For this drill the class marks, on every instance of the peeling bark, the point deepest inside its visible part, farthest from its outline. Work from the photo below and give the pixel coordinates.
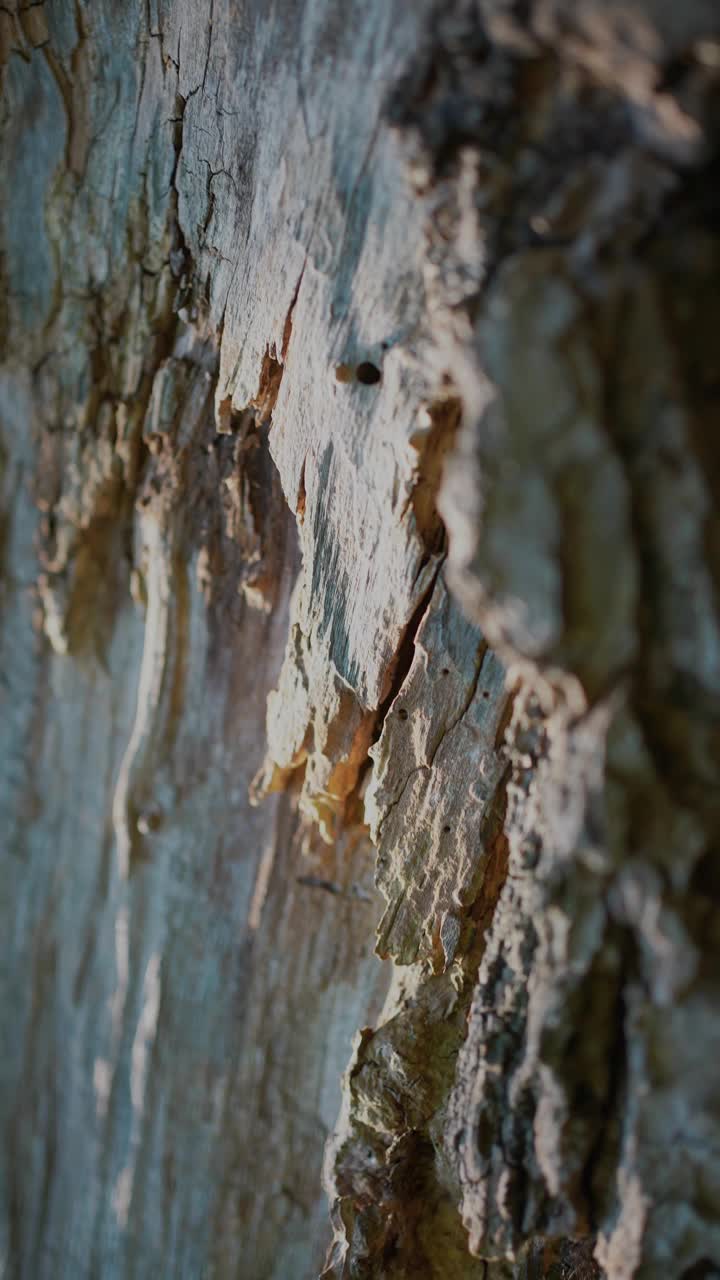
(359, 515)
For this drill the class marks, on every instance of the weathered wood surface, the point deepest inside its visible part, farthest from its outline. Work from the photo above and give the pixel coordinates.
(212, 213)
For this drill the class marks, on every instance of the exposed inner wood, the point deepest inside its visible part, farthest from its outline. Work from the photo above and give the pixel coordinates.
(359, 579)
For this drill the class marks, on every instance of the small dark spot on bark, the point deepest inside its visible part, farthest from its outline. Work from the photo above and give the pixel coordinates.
(149, 822)
(402, 713)
(368, 373)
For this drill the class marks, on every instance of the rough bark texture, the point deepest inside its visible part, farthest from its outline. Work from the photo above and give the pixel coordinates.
(359, 473)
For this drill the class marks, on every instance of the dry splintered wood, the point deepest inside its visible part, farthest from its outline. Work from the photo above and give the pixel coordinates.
(359, 579)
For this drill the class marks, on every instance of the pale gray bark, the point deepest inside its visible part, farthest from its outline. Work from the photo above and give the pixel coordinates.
(274, 623)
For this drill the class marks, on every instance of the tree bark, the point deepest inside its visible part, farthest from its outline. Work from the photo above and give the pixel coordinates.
(359, 562)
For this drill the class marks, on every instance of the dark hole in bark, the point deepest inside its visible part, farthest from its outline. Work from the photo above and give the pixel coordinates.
(368, 373)
(446, 828)
(403, 713)
(445, 671)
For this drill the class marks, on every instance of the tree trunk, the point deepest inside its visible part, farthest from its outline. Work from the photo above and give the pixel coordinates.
(359, 522)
